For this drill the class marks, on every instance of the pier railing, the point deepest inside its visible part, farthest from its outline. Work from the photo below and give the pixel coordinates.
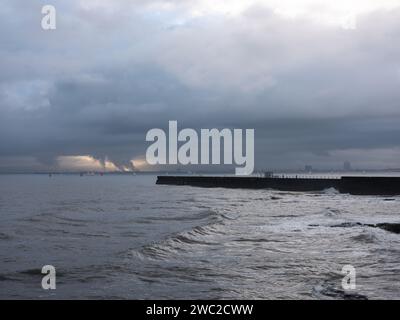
(300, 176)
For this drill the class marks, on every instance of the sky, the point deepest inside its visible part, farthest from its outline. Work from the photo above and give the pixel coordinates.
(319, 81)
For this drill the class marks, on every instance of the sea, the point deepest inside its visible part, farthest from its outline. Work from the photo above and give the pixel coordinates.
(124, 237)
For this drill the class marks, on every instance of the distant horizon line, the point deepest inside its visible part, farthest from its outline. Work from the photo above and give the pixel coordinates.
(181, 171)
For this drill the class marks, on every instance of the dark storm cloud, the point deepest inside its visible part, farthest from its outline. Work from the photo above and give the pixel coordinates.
(110, 72)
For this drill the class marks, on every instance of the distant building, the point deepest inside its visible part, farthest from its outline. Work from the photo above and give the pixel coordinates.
(347, 166)
(308, 168)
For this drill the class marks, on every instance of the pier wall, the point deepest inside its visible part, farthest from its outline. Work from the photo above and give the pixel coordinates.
(370, 185)
(284, 184)
(352, 185)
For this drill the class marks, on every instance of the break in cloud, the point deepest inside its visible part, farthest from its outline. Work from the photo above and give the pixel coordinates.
(318, 81)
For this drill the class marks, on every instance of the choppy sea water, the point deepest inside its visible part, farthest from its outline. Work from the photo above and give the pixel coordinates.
(123, 237)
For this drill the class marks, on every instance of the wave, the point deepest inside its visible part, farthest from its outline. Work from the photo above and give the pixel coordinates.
(331, 212)
(4, 236)
(329, 290)
(387, 226)
(203, 235)
(330, 191)
(365, 237)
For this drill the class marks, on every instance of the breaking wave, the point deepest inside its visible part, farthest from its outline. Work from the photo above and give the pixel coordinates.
(203, 235)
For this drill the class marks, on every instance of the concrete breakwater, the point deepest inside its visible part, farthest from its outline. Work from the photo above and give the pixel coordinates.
(346, 184)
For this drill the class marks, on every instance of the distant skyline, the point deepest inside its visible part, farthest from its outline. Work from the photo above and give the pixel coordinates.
(318, 81)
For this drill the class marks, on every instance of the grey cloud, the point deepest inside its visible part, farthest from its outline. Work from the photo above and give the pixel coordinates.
(104, 77)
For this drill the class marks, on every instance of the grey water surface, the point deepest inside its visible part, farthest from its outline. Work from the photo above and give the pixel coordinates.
(123, 237)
